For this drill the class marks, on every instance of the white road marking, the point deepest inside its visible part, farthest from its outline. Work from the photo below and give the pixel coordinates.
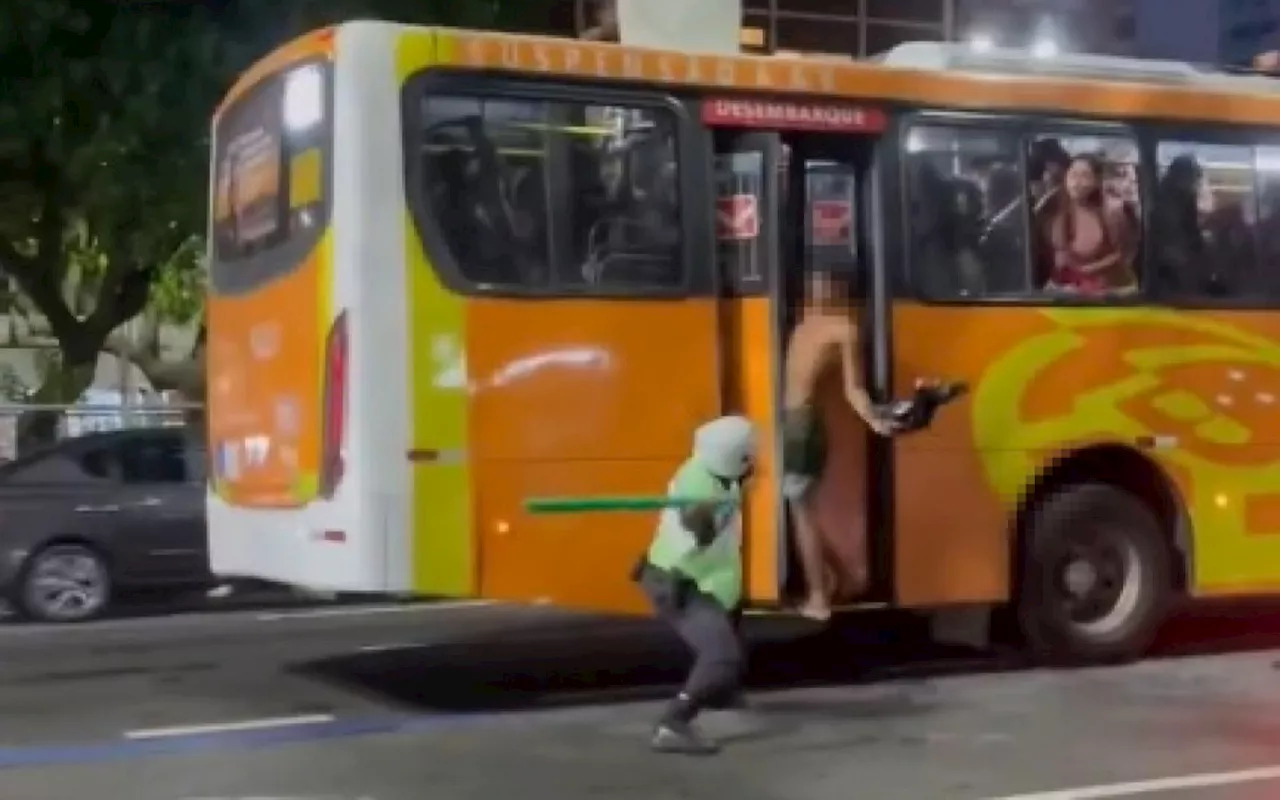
(360, 611)
(225, 727)
(1182, 783)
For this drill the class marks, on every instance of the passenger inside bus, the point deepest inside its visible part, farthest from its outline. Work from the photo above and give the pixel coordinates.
(1047, 164)
(1268, 239)
(533, 194)
(1181, 252)
(629, 225)
(1231, 250)
(1091, 241)
(480, 196)
(1003, 242)
(946, 221)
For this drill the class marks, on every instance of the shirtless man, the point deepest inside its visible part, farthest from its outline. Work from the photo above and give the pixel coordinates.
(825, 338)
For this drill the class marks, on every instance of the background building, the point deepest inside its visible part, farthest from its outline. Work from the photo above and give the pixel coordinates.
(854, 28)
(1199, 31)
(857, 28)
(1192, 34)
(1247, 28)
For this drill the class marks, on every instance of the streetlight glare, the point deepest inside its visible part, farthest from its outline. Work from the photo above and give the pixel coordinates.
(1044, 47)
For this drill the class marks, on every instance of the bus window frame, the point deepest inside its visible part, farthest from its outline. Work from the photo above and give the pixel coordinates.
(1024, 127)
(1157, 132)
(699, 273)
(245, 274)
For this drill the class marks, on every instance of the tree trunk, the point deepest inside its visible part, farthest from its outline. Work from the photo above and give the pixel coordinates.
(63, 385)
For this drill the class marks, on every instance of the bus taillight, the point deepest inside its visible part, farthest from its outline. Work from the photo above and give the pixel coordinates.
(333, 440)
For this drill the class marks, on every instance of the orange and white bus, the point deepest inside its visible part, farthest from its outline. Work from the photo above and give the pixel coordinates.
(455, 270)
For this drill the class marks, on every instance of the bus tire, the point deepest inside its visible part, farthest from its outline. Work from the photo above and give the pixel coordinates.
(1097, 577)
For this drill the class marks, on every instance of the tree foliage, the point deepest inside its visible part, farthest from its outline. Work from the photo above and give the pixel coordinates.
(104, 124)
(103, 166)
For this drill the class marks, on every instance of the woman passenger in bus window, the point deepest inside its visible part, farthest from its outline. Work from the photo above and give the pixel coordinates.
(1091, 241)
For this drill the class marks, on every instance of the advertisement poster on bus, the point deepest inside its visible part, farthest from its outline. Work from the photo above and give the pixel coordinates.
(247, 202)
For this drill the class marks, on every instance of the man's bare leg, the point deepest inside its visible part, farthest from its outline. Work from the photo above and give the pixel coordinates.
(817, 603)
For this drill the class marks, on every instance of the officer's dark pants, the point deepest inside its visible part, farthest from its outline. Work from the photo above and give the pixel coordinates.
(709, 630)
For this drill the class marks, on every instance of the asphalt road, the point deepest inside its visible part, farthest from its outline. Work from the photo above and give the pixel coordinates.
(455, 702)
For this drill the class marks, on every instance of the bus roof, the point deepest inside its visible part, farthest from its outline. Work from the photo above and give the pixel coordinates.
(941, 75)
(938, 75)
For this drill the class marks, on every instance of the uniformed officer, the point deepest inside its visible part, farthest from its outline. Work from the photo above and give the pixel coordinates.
(692, 573)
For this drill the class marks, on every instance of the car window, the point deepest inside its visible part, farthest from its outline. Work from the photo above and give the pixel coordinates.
(100, 462)
(159, 459)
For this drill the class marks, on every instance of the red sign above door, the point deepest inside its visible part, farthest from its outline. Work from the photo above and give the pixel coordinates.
(790, 116)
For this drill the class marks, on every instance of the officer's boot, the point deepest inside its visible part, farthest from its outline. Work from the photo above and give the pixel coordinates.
(675, 732)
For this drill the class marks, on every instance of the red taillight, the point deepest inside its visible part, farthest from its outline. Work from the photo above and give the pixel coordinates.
(333, 439)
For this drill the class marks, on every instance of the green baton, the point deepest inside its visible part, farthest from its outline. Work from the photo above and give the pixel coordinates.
(590, 505)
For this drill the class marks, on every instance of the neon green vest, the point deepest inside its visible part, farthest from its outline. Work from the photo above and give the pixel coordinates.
(717, 569)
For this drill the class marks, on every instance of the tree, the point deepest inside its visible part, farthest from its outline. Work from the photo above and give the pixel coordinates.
(177, 290)
(176, 310)
(103, 165)
(104, 148)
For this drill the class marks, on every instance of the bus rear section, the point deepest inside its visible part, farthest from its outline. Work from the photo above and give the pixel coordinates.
(279, 355)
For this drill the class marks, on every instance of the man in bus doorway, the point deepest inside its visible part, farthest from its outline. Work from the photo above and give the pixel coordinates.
(824, 344)
(692, 574)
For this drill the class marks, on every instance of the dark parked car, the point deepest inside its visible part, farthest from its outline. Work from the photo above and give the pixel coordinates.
(98, 514)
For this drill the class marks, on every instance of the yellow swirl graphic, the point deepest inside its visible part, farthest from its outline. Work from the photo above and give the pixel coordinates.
(1201, 384)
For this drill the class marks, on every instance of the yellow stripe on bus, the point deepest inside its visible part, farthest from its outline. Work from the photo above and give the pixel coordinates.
(444, 551)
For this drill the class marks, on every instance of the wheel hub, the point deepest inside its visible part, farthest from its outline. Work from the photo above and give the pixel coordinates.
(1080, 577)
(67, 586)
(1098, 583)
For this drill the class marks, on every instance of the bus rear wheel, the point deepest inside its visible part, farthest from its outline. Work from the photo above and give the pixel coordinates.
(1097, 577)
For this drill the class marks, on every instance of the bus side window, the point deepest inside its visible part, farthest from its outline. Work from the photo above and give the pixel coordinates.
(1211, 234)
(967, 227)
(1267, 165)
(542, 196)
(1086, 215)
(484, 161)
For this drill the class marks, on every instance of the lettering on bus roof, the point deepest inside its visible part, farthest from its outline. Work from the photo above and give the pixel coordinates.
(623, 63)
(773, 75)
(750, 113)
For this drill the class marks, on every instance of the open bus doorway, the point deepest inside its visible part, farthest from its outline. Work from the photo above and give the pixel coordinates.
(813, 191)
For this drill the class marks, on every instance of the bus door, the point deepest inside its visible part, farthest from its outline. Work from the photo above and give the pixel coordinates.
(805, 189)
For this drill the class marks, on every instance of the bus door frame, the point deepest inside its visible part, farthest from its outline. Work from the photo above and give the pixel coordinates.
(875, 325)
(722, 116)
(768, 283)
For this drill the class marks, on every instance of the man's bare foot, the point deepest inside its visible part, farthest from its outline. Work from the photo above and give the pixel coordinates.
(816, 609)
